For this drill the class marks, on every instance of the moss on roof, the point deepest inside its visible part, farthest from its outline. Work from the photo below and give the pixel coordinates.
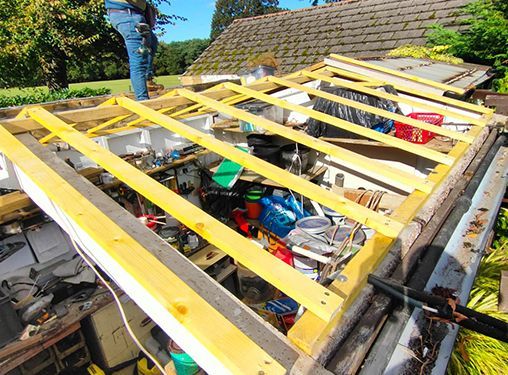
(315, 32)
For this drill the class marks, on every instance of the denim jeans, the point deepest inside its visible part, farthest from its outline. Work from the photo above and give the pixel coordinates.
(141, 66)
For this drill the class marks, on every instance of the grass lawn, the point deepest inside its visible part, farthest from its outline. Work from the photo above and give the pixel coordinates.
(116, 86)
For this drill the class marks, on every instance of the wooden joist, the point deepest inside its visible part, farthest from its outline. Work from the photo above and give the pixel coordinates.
(346, 125)
(214, 336)
(279, 274)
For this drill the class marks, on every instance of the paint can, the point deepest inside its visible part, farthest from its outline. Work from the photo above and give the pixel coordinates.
(334, 216)
(342, 232)
(314, 224)
(306, 266)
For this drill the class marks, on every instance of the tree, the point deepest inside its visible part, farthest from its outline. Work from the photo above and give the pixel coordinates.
(38, 38)
(100, 67)
(226, 11)
(316, 2)
(485, 39)
(175, 57)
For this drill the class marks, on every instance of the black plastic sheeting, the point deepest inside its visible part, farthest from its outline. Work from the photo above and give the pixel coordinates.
(366, 119)
(219, 201)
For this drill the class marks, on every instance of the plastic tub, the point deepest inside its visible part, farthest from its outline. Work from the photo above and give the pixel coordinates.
(254, 195)
(184, 364)
(254, 208)
(254, 140)
(252, 287)
(269, 153)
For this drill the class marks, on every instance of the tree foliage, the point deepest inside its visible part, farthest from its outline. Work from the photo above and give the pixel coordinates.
(226, 11)
(316, 2)
(99, 67)
(39, 95)
(176, 57)
(40, 38)
(484, 41)
(436, 53)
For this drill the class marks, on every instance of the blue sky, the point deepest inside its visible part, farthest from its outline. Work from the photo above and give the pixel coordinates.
(199, 17)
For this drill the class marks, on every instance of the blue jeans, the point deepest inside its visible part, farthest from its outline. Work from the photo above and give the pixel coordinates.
(141, 66)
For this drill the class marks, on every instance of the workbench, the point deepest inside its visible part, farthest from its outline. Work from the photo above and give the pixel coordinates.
(51, 332)
(18, 206)
(163, 168)
(312, 174)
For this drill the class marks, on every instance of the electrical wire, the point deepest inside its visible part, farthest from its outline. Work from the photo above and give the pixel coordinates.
(339, 257)
(296, 157)
(119, 305)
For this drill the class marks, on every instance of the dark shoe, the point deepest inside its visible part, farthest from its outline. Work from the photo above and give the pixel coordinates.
(152, 86)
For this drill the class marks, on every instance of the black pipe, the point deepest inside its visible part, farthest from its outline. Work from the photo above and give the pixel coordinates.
(474, 320)
(485, 329)
(389, 335)
(363, 336)
(390, 291)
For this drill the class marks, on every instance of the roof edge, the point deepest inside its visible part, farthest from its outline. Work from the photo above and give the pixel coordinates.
(306, 9)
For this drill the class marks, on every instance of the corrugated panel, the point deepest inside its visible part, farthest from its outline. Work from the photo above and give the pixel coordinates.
(461, 75)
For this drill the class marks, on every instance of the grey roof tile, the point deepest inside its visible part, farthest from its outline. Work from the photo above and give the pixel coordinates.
(303, 37)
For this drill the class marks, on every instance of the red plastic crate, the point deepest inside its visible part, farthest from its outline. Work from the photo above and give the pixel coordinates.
(415, 135)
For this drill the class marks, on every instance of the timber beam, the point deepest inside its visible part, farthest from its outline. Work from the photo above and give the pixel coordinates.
(219, 346)
(243, 317)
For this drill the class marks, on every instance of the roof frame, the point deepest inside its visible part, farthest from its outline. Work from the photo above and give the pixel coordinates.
(311, 330)
(212, 336)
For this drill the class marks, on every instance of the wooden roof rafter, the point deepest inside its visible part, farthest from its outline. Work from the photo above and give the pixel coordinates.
(325, 306)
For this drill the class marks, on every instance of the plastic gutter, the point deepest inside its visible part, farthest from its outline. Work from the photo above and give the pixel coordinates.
(458, 265)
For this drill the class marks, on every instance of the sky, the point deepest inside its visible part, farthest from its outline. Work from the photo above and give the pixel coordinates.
(199, 17)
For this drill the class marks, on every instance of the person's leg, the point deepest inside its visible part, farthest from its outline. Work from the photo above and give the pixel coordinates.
(125, 24)
(153, 43)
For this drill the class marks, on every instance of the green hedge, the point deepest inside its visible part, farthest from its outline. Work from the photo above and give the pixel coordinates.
(42, 96)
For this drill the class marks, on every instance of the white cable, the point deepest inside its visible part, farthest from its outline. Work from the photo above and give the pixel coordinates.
(296, 157)
(120, 307)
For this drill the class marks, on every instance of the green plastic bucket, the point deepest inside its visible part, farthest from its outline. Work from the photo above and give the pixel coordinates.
(184, 364)
(253, 195)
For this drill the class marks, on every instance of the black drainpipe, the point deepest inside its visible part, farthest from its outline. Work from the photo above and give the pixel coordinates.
(389, 336)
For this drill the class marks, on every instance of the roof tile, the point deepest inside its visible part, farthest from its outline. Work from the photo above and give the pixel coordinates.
(302, 37)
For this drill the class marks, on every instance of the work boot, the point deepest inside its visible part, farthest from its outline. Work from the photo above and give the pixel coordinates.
(153, 86)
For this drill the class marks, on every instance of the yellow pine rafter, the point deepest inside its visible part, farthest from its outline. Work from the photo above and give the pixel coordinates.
(396, 73)
(306, 188)
(360, 162)
(396, 98)
(310, 294)
(426, 95)
(310, 333)
(348, 126)
(377, 111)
(216, 335)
